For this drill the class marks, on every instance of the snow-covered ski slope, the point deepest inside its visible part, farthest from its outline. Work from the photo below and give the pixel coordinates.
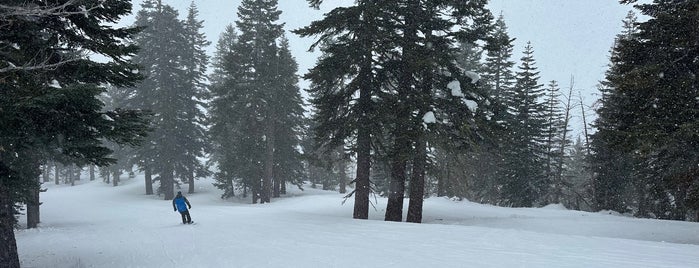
(96, 225)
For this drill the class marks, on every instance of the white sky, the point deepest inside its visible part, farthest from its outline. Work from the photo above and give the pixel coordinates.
(571, 37)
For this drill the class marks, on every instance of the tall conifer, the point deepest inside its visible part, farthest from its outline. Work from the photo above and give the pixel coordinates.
(50, 91)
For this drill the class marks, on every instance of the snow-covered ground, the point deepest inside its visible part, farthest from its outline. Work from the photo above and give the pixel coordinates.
(97, 225)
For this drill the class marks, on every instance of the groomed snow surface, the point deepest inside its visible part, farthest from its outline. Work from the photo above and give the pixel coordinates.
(96, 225)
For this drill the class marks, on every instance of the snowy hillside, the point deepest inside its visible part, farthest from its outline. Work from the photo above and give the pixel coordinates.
(97, 225)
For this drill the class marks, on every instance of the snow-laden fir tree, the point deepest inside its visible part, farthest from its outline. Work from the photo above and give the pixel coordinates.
(395, 55)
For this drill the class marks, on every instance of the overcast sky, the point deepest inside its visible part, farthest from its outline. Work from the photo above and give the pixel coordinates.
(571, 37)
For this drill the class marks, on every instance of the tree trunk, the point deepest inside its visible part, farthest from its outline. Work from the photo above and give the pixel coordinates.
(396, 195)
(115, 178)
(71, 175)
(362, 188)
(229, 182)
(266, 190)
(364, 105)
(417, 182)
(33, 215)
(587, 136)
(343, 175)
(191, 183)
(92, 172)
(562, 149)
(255, 190)
(277, 188)
(326, 182)
(45, 175)
(167, 183)
(78, 172)
(149, 180)
(441, 180)
(8, 245)
(57, 173)
(403, 142)
(283, 187)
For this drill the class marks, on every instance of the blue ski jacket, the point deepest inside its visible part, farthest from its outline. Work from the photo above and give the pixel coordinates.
(181, 203)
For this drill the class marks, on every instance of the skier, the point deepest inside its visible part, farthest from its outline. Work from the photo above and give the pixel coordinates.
(181, 204)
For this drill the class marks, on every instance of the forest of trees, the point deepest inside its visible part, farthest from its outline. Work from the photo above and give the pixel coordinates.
(409, 98)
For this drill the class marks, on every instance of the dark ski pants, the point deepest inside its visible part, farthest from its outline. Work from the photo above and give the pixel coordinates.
(185, 216)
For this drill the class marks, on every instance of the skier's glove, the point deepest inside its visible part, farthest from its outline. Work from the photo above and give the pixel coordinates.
(190, 207)
(175, 209)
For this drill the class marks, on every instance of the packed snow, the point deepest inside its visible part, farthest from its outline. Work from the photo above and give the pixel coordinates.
(429, 118)
(472, 105)
(455, 88)
(473, 76)
(96, 225)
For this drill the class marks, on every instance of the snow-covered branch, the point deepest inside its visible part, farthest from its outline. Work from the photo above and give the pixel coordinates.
(36, 66)
(10, 14)
(7, 11)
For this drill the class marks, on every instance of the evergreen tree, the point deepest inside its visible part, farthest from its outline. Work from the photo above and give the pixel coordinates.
(554, 143)
(425, 78)
(173, 64)
(612, 160)
(408, 83)
(499, 79)
(498, 74)
(223, 146)
(256, 107)
(346, 85)
(287, 111)
(194, 140)
(50, 90)
(655, 74)
(525, 180)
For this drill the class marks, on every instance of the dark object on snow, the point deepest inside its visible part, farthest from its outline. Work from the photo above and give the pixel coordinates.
(181, 204)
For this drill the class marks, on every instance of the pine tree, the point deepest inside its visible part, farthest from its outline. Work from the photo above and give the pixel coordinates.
(525, 181)
(195, 139)
(256, 106)
(287, 111)
(223, 146)
(555, 142)
(50, 90)
(499, 78)
(173, 64)
(655, 72)
(611, 162)
(406, 83)
(345, 85)
(498, 74)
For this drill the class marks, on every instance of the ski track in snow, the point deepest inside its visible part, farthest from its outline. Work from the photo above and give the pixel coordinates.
(96, 225)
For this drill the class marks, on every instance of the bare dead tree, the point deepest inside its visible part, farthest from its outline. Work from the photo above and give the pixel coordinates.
(587, 136)
(564, 135)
